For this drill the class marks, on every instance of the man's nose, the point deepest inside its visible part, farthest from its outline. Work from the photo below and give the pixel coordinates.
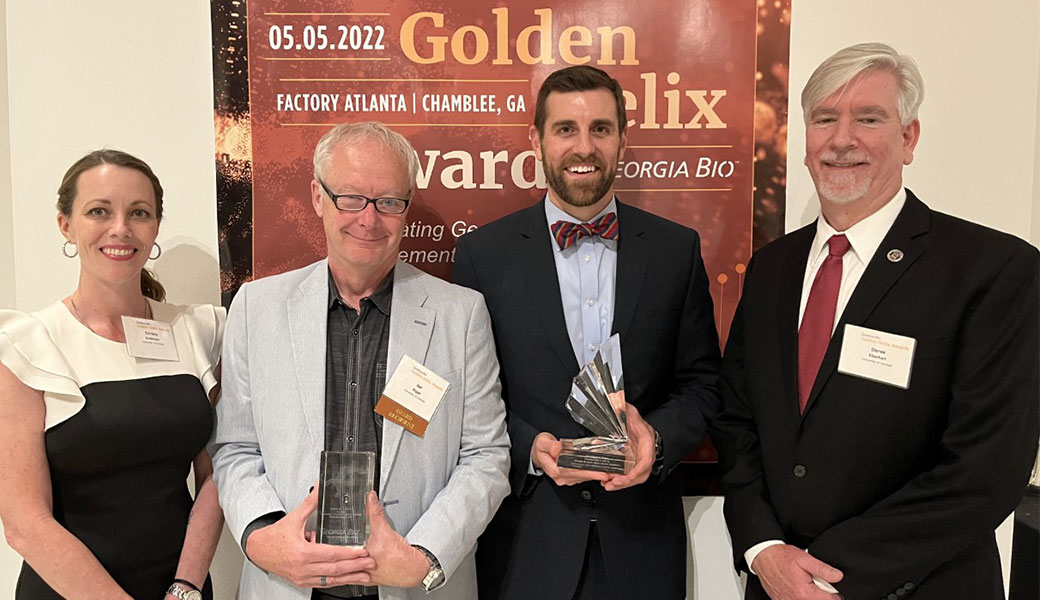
(369, 215)
(844, 136)
(584, 145)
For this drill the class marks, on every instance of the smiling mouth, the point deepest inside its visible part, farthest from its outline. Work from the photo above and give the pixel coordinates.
(365, 239)
(843, 165)
(118, 252)
(844, 161)
(582, 169)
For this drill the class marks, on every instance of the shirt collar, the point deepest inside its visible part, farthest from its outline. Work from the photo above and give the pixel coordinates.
(381, 298)
(864, 237)
(554, 214)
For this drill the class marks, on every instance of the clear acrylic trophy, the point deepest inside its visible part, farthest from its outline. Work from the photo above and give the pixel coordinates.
(596, 403)
(346, 478)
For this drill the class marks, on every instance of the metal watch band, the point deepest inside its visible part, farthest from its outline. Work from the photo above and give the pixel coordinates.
(435, 576)
(181, 593)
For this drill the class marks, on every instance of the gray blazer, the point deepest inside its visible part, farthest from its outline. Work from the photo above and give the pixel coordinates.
(440, 491)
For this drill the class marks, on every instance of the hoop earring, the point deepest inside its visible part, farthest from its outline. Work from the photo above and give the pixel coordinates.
(65, 249)
(156, 245)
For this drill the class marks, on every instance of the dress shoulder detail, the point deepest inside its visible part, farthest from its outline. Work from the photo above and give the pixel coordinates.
(204, 324)
(32, 355)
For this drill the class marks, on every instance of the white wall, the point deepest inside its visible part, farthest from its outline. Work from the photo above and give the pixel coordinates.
(137, 76)
(8, 559)
(6, 241)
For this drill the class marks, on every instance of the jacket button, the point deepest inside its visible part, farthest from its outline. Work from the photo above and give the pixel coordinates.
(893, 597)
(799, 470)
(908, 586)
(586, 495)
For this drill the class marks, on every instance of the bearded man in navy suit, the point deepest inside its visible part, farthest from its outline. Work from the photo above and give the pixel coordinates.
(559, 278)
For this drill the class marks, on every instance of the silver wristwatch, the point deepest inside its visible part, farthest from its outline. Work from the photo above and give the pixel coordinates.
(183, 594)
(435, 576)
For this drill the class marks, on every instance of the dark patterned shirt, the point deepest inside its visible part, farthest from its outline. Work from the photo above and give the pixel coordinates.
(355, 373)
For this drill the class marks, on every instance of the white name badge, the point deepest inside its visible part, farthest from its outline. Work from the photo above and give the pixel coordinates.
(146, 338)
(877, 355)
(412, 395)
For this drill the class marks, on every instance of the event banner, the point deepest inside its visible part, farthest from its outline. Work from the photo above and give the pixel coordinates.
(705, 89)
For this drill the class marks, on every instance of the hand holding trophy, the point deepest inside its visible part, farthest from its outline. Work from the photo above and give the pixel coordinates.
(597, 402)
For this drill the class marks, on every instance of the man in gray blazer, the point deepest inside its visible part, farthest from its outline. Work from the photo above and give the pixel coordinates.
(306, 356)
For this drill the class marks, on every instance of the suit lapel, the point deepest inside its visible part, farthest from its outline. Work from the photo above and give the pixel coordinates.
(411, 325)
(789, 298)
(308, 320)
(633, 254)
(907, 235)
(535, 245)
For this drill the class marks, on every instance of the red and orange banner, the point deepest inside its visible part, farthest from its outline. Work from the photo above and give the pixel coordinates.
(705, 90)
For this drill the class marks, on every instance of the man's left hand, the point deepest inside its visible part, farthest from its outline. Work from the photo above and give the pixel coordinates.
(398, 564)
(641, 439)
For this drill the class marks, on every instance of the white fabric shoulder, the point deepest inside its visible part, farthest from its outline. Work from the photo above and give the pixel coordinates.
(27, 349)
(204, 324)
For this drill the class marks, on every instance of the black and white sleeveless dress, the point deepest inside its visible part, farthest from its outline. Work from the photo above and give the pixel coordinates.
(121, 433)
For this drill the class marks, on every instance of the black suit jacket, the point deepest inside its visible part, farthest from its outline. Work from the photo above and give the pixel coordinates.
(900, 489)
(535, 546)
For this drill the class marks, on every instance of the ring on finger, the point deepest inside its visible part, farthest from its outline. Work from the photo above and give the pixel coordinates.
(322, 581)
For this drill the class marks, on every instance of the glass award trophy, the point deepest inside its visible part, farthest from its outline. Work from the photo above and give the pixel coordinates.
(597, 403)
(346, 478)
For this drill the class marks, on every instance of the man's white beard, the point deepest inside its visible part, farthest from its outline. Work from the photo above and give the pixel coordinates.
(842, 188)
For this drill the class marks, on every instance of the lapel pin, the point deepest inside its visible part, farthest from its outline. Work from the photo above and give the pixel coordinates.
(895, 255)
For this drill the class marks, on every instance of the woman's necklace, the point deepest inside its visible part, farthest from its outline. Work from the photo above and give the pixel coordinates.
(79, 316)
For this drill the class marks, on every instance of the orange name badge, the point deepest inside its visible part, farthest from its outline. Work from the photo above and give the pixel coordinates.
(411, 396)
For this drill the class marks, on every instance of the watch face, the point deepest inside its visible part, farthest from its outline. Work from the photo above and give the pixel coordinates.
(433, 578)
(179, 592)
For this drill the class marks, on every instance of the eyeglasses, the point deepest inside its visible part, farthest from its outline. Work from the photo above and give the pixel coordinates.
(358, 202)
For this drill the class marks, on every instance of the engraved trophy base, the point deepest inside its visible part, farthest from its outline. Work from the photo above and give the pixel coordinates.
(346, 478)
(596, 454)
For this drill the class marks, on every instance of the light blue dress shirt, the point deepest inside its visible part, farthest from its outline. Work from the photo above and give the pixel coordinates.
(586, 272)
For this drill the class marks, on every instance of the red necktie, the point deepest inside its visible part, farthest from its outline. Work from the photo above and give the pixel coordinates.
(568, 233)
(818, 319)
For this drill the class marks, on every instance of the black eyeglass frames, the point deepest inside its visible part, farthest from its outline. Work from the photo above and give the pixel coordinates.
(357, 202)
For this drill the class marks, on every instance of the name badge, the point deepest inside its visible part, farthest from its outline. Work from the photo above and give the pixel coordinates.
(877, 355)
(411, 396)
(146, 338)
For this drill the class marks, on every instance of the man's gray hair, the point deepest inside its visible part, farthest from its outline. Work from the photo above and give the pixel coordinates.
(355, 133)
(843, 66)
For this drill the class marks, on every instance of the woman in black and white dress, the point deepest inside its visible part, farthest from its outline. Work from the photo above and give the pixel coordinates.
(105, 403)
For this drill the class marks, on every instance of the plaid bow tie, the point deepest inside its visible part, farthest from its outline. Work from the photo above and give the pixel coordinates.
(568, 233)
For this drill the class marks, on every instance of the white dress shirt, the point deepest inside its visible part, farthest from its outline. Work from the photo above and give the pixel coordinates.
(864, 237)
